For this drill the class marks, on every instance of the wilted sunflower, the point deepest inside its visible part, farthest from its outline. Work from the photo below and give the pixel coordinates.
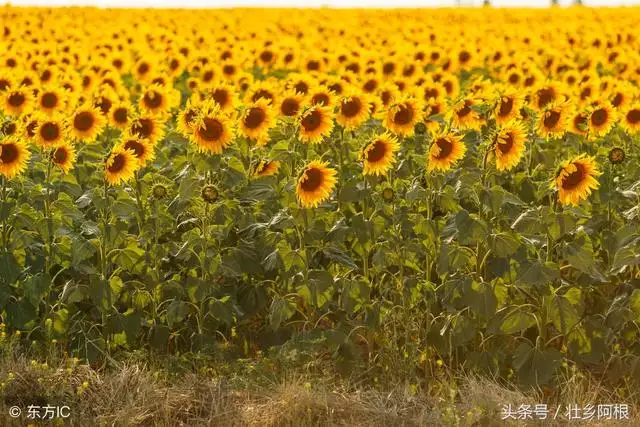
(17, 101)
(446, 149)
(464, 116)
(256, 120)
(64, 156)
(315, 184)
(315, 123)
(120, 166)
(353, 110)
(211, 129)
(508, 145)
(86, 123)
(147, 126)
(290, 104)
(552, 122)
(50, 131)
(378, 154)
(576, 178)
(508, 107)
(141, 148)
(402, 116)
(266, 168)
(631, 119)
(14, 156)
(616, 155)
(601, 119)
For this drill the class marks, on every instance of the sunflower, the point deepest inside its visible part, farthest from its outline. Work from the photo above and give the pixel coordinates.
(120, 166)
(186, 116)
(508, 145)
(435, 108)
(464, 116)
(601, 119)
(119, 114)
(86, 123)
(446, 149)
(211, 129)
(64, 156)
(578, 124)
(544, 95)
(576, 178)
(17, 101)
(261, 90)
(508, 107)
(631, 119)
(552, 122)
(353, 110)
(51, 100)
(14, 156)
(146, 126)
(315, 122)
(156, 100)
(141, 148)
(388, 93)
(256, 120)
(402, 116)
(319, 95)
(224, 95)
(378, 154)
(143, 69)
(10, 128)
(266, 168)
(290, 104)
(315, 184)
(50, 131)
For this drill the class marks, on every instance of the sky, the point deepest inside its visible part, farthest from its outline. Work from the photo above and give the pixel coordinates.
(305, 3)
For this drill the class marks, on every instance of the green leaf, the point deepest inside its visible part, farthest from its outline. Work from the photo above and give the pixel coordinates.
(536, 367)
(280, 311)
(516, 321)
(562, 312)
(176, 312)
(504, 244)
(36, 288)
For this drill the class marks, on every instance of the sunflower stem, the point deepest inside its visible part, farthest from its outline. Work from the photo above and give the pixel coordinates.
(156, 258)
(203, 238)
(365, 252)
(3, 199)
(314, 290)
(141, 216)
(104, 261)
(47, 213)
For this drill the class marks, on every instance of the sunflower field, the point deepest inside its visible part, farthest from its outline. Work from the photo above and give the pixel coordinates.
(387, 189)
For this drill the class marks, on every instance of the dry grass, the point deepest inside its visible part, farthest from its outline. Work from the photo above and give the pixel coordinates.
(136, 395)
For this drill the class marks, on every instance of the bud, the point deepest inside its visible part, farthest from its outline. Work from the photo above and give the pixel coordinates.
(617, 156)
(420, 128)
(159, 191)
(209, 193)
(388, 194)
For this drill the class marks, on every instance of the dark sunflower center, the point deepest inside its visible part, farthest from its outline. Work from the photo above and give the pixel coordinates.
(45, 76)
(404, 115)
(4, 84)
(262, 94)
(83, 121)
(8, 153)
(579, 120)
(370, 86)
(435, 109)
(143, 128)
(388, 68)
(143, 68)
(430, 93)
(529, 81)
(314, 180)
(221, 96)
(211, 130)
(385, 97)
(174, 64)
(552, 119)
(31, 129)
(545, 96)
(320, 99)
(86, 81)
(617, 100)
(464, 56)
(207, 76)
(120, 115)
(118, 163)
(104, 104)
(16, 99)
(633, 116)
(266, 56)
(135, 146)
(409, 70)
(60, 155)
(312, 121)
(506, 106)
(352, 107)
(377, 152)
(152, 99)
(464, 111)
(9, 128)
(289, 107)
(507, 144)
(254, 118)
(288, 58)
(585, 93)
(514, 78)
(301, 87)
(448, 86)
(313, 65)
(574, 178)
(229, 70)
(49, 131)
(445, 146)
(336, 87)
(599, 117)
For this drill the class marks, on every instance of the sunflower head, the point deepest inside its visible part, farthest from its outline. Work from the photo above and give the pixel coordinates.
(402, 116)
(617, 156)
(315, 123)
(508, 144)
(256, 120)
(64, 156)
(266, 168)
(388, 195)
(86, 123)
(315, 184)
(209, 128)
(446, 149)
(576, 179)
(378, 154)
(14, 156)
(159, 191)
(209, 193)
(120, 166)
(353, 110)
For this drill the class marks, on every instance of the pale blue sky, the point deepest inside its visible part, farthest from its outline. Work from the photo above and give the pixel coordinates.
(308, 3)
